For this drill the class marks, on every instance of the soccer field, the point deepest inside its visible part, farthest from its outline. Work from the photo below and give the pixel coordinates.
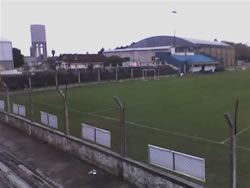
(184, 114)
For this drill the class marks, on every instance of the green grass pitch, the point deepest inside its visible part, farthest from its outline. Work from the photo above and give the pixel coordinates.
(185, 114)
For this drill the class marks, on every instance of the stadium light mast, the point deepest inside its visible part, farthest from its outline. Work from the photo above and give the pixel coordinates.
(174, 12)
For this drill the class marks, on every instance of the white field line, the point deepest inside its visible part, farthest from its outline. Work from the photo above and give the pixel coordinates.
(244, 148)
(174, 133)
(140, 125)
(152, 128)
(105, 110)
(239, 133)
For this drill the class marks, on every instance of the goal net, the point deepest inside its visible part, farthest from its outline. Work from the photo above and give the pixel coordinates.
(148, 73)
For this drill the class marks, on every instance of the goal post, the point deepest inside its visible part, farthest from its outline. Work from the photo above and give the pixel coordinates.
(146, 71)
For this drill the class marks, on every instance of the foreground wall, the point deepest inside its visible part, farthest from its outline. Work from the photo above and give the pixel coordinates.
(137, 173)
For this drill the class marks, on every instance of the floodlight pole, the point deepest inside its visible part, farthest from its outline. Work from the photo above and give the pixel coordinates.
(123, 127)
(66, 112)
(233, 126)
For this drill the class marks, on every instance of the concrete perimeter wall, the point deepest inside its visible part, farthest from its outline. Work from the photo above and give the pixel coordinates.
(140, 174)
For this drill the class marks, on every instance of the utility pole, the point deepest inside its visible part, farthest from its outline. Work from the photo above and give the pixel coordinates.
(174, 41)
(123, 126)
(233, 126)
(66, 112)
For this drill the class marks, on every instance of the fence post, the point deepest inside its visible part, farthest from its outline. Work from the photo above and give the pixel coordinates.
(116, 74)
(56, 79)
(5, 87)
(233, 127)
(132, 73)
(123, 126)
(30, 98)
(66, 113)
(79, 76)
(99, 77)
(8, 99)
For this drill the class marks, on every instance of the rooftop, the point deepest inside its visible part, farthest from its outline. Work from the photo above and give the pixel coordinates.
(82, 58)
(163, 42)
(189, 59)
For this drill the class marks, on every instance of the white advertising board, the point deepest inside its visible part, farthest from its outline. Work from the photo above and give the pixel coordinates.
(15, 108)
(103, 137)
(53, 121)
(21, 110)
(44, 118)
(190, 165)
(1, 105)
(160, 157)
(88, 132)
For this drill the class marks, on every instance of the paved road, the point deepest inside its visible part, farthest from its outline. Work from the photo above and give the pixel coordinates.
(40, 165)
(3, 185)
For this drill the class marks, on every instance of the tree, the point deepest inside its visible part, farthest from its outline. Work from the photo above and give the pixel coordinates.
(114, 60)
(18, 57)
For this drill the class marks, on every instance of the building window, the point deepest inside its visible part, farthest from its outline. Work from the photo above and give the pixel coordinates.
(153, 58)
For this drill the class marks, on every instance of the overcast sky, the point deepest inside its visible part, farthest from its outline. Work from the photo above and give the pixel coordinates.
(87, 26)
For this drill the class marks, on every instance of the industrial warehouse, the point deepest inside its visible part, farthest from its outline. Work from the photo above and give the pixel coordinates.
(6, 56)
(189, 55)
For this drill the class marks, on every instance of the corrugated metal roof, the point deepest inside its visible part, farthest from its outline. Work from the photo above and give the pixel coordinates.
(197, 58)
(206, 42)
(178, 60)
(156, 42)
(169, 41)
(140, 49)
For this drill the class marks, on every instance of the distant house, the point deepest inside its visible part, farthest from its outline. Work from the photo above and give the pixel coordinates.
(80, 61)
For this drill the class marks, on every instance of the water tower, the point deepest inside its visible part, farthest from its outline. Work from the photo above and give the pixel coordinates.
(38, 41)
